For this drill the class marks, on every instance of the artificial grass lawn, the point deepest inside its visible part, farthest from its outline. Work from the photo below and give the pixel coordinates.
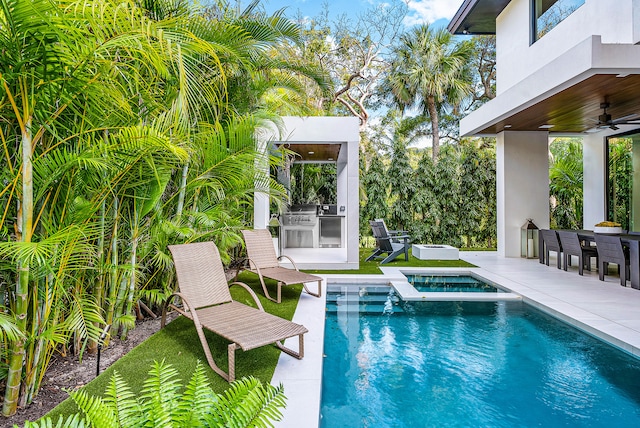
(178, 344)
(373, 267)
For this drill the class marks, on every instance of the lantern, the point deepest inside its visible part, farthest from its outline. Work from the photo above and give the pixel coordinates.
(529, 240)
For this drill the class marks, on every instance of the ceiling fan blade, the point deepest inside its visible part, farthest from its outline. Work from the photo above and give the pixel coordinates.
(625, 119)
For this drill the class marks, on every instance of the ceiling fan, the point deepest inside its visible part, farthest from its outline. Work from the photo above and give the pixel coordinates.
(606, 121)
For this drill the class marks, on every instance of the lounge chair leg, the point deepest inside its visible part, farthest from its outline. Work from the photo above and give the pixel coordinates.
(266, 292)
(279, 292)
(318, 294)
(207, 353)
(300, 354)
(231, 353)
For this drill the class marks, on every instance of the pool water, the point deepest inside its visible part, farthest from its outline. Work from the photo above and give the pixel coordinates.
(450, 283)
(467, 364)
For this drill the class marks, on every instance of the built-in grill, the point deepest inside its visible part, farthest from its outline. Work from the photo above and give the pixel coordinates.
(300, 227)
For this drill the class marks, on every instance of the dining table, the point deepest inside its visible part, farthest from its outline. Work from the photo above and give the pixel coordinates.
(631, 241)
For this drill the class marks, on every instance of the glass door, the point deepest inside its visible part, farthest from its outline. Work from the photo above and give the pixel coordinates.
(623, 180)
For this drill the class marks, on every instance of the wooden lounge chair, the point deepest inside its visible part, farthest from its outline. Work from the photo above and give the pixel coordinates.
(262, 259)
(207, 302)
(385, 244)
(571, 246)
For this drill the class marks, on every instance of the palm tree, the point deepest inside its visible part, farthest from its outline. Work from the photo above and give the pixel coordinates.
(429, 71)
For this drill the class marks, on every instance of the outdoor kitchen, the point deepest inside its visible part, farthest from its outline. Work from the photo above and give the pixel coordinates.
(315, 223)
(313, 226)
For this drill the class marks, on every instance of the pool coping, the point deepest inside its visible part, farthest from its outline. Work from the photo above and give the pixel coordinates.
(409, 293)
(302, 379)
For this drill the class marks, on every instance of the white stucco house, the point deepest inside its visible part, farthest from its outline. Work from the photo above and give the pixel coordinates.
(564, 68)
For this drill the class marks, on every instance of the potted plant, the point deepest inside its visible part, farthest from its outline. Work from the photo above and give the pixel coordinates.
(608, 227)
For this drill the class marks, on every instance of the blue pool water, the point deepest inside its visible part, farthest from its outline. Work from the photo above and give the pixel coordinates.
(467, 364)
(450, 283)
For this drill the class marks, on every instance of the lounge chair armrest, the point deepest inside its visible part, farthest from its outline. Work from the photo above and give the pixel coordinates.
(191, 311)
(251, 263)
(290, 260)
(251, 292)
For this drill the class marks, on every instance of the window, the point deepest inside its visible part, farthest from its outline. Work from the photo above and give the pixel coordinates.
(623, 182)
(546, 14)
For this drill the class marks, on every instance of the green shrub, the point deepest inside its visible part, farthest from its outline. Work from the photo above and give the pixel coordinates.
(164, 402)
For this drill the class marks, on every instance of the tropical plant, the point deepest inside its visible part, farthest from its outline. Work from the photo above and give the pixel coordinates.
(429, 71)
(426, 219)
(374, 203)
(401, 186)
(565, 183)
(165, 402)
(620, 180)
(118, 138)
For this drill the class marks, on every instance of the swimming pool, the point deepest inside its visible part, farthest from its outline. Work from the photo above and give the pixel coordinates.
(450, 284)
(423, 364)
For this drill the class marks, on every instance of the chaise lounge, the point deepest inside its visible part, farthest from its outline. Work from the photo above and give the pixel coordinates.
(262, 259)
(208, 303)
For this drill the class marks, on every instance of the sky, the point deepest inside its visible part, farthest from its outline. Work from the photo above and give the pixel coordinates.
(438, 12)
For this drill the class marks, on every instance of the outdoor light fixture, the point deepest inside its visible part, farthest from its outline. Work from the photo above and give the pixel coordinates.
(546, 126)
(529, 240)
(312, 153)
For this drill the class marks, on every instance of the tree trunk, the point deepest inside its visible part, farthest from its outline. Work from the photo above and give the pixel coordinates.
(433, 114)
(16, 362)
(183, 190)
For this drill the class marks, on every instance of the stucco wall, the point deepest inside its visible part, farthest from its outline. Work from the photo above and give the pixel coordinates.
(522, 186)
(616, 21)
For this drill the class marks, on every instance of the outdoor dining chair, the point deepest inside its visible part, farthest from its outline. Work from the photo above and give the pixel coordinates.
(551, 243)
(207, 301)
(262, 260)
(610, 250)
(571, 246)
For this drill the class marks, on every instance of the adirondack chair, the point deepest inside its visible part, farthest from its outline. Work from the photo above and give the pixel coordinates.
(385, 244)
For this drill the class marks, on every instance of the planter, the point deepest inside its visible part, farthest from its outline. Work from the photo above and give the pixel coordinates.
(607, 230)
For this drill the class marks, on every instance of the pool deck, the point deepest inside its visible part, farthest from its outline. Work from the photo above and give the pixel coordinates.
(604, 309)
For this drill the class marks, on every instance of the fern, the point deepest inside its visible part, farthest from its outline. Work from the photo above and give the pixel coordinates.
(160, 394)
(196, 400)
(73, 421)
(123, 402)
(247, 403)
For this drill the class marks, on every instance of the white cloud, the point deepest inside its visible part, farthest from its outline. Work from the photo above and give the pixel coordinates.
(429, 11)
